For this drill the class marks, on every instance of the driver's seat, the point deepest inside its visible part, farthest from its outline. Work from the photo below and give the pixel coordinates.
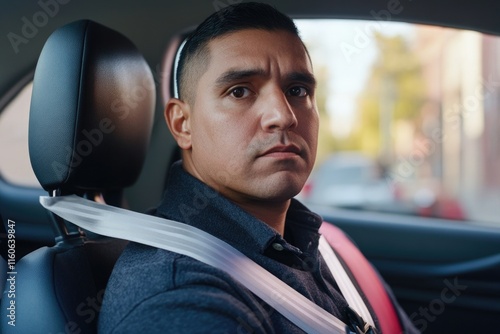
(90, 121)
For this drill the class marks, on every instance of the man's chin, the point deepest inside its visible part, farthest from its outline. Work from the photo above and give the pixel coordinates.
(283, 190)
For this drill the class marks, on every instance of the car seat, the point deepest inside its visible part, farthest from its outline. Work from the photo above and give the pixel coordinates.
(91, 116)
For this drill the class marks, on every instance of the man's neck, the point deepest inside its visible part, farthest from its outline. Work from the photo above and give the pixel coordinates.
(271, 213)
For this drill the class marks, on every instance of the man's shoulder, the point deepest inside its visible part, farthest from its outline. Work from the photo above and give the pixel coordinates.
(142, 271)
(149, 282)
(139, 260)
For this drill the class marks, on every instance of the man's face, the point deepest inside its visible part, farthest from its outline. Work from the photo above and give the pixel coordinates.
(253, 123)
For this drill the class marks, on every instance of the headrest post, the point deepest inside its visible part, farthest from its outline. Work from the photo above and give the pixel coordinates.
(62, 232)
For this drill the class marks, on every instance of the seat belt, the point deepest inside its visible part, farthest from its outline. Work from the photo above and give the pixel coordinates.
(190, 241)
(366, 278)
(345, 284)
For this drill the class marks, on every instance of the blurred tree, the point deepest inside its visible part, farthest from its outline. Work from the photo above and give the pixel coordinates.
(394, 91)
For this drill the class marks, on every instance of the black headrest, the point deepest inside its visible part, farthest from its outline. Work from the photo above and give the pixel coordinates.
(91, 110)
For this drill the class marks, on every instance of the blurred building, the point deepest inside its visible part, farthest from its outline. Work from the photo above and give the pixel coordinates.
(460, 125)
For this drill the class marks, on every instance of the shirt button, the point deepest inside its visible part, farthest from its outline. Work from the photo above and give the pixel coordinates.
(278, 247)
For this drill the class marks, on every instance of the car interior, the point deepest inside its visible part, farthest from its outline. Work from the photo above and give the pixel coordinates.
(101, 73)
(95, 66)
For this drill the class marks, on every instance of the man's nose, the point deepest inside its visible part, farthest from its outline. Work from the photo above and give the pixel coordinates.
(278, 114)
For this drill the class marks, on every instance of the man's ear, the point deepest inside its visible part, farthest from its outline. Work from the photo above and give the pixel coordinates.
(177, 115)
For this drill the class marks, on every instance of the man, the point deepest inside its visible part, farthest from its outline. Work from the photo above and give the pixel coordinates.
(247, 124)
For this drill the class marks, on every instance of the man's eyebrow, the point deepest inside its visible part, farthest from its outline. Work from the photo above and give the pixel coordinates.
(304, 77)
(237, 75)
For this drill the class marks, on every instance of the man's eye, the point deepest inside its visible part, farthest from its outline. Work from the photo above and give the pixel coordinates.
(240, 92)
(298, 91)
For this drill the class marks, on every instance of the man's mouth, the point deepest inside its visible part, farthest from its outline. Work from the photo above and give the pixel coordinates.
(282, 151)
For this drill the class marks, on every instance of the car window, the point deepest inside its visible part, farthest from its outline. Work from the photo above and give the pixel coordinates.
(410, 120)
(15, 166)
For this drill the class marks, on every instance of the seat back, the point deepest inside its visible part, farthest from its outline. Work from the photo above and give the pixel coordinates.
(90, 121)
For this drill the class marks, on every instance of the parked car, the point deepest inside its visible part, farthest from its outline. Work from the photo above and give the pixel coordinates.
(353, 181)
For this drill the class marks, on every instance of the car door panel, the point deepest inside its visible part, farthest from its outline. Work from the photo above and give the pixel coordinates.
(445, 274)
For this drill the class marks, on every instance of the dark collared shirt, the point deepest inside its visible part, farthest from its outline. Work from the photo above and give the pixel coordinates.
(156, 291)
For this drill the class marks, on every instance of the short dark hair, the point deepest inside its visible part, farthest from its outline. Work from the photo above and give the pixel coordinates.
(248, 15)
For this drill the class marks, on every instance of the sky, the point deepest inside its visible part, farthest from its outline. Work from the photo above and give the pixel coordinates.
(347, 48)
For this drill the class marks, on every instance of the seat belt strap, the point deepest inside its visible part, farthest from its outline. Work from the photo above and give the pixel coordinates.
(190, 241)
(345, 284)
(195, 243)
(366, 278)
